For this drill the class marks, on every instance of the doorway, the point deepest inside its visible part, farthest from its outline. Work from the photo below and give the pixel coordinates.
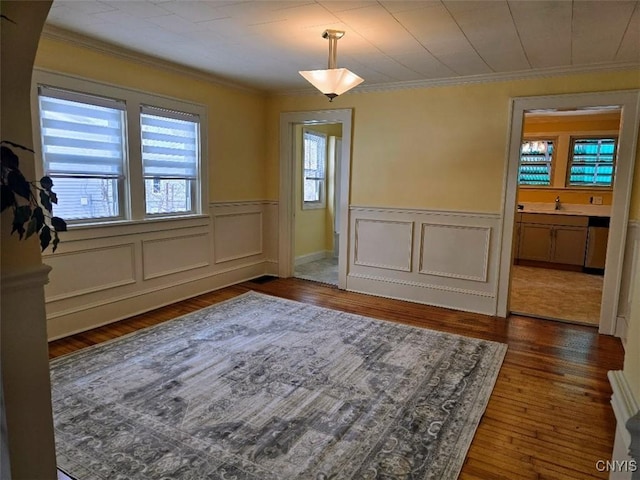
(289, 124)
(564, 196)
(627, 101)
(316, 211)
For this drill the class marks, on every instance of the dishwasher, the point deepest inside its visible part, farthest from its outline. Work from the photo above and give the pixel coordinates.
(597, 235)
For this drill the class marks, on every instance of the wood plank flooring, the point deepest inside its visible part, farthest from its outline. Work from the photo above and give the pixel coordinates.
(549, 416)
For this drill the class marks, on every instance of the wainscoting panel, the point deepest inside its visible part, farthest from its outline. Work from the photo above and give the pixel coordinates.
(160, 258)
(90, 270)
(104, 274)
(237, 235)
(383, 244)
(450, 261)
(455, 251)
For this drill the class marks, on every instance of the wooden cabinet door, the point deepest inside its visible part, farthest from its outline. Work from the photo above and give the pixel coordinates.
(535, 242)
(569, 245)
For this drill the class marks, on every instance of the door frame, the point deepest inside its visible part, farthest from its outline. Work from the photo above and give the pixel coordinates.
(629, 100)
(286, 210)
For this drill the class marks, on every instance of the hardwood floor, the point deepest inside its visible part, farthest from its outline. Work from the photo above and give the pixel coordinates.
(549, 416)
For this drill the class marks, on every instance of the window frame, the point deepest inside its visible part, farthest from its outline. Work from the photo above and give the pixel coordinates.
(132, 197)
(552, 159)
(570, 160)
(321, 202)
(66, 95)
(191, 182)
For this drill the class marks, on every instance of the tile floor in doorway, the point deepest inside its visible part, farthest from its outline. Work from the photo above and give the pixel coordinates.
(323, 271)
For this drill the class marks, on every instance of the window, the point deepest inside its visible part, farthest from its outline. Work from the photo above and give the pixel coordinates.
(116, 154)
(314, 167)
(536, 157)
(169, 160)
(83, 149)
(592, 162)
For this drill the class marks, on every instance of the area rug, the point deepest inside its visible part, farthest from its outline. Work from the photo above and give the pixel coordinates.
(264, 388)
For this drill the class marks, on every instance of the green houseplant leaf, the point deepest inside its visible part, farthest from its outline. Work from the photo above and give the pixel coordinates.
(30, 202)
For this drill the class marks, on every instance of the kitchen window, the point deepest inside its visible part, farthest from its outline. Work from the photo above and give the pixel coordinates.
(314, 169)
(119, 155)
(536, 161)
(592, 162)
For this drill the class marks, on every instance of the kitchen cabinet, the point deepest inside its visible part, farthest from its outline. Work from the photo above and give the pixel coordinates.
(553, 238)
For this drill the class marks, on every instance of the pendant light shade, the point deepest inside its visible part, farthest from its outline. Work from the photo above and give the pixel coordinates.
(333, 81)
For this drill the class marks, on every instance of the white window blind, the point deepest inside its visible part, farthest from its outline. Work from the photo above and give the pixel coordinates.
(170, 159)
(83, 149)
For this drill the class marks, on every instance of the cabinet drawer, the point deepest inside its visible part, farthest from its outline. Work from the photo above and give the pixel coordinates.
(556, 219)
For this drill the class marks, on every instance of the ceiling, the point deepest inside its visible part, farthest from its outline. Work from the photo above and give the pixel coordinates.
(263, 44)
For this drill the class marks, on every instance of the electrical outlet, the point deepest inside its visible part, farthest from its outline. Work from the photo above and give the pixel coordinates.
(597, 200)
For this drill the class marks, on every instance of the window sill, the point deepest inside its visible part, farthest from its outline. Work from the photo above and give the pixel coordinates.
(313, 206)
(118, 228)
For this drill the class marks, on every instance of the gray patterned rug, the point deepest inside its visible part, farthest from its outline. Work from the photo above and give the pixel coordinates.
(264, 388)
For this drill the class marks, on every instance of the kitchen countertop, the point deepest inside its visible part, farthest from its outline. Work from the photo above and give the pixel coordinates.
(566, 209)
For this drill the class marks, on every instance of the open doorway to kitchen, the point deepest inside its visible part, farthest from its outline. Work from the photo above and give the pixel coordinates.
(627, 101)
(313, 211)
(565, 190)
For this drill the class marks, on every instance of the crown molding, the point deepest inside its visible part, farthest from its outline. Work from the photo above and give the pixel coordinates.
(475, 79)
(60, 34)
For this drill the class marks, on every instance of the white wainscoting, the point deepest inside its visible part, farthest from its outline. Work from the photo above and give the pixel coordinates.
(632, 251)
(448, 259)
(106, 273)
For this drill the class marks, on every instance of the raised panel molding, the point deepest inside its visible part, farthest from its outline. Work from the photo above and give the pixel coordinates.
(237, 235)
(90, 270)
(454, 251)
(383, 244)
(451, 261)
(166, 256)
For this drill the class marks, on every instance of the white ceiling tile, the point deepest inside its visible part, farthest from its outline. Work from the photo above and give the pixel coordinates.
(544, 28)
(437, 31)
(194, 11)
(137, 8)
(489, 28)
(629, 50)
(598, 28)
(175, 24)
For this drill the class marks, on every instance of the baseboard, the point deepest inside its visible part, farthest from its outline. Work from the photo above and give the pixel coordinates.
(92, 316)
(435, 295)
(312, 257)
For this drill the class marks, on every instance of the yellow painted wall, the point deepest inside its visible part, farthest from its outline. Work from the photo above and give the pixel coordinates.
(236, 118)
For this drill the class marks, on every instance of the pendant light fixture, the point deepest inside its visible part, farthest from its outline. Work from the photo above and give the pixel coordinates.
(333, 81)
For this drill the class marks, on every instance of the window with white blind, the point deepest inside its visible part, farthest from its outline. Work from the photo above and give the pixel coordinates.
(536, 160)
(592, 162)
(169, 160)
(83, 149)
(120, 155)
(314, 159)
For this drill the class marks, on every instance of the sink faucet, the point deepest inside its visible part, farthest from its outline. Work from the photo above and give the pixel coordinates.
(558, 204)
